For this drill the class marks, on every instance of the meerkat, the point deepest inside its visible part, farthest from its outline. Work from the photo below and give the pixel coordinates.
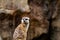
(10, 6)
(20, 32)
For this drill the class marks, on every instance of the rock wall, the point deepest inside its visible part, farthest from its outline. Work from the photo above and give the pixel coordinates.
(39, 23)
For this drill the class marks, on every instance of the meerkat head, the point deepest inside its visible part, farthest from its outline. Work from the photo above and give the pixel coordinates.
(25, 20)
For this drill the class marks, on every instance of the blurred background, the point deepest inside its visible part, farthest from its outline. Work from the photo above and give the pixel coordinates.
(44, 20)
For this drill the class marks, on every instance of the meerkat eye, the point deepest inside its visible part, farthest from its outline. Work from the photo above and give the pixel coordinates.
(26, 19)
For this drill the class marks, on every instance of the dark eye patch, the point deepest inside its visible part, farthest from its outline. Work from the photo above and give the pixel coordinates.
(26, 19)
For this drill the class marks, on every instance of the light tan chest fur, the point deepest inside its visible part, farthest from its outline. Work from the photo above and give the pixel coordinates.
(20, 32)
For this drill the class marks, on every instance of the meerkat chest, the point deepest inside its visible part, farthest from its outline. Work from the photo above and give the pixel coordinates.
(20, 33)
(22, 29)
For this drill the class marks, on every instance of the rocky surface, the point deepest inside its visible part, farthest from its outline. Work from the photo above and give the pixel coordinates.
(40, 15)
